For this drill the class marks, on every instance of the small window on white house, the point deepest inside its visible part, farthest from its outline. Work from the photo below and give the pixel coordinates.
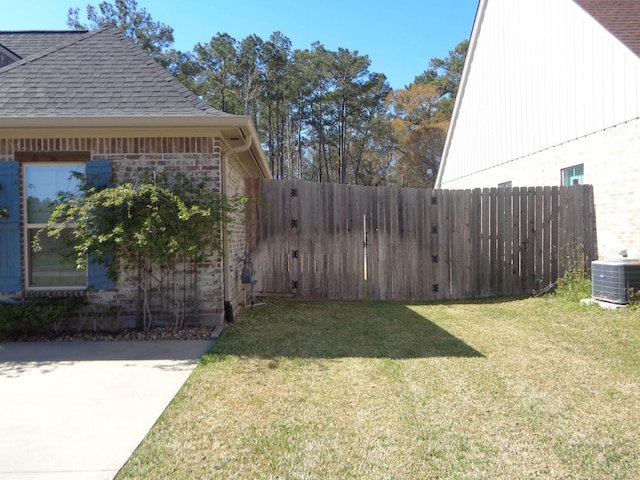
(505, 184)
(54, 265)
(573, 175)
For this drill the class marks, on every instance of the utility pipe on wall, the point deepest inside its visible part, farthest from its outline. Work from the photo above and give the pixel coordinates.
(226, 262)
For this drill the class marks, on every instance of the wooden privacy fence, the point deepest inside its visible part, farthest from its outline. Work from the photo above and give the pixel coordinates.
(325, 240)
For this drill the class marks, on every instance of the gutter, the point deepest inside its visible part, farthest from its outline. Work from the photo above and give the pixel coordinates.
(226, 261)
(102, 121)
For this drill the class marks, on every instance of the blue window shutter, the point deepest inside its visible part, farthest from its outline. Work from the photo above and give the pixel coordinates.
(99, 172)
(10, 259)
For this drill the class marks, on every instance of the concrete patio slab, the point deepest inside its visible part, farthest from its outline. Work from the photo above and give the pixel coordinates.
(79, 410)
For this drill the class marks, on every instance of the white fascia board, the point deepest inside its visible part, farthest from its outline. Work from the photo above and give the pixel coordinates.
(477, 23)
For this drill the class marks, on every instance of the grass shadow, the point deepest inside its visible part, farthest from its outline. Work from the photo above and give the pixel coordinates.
(337, 329)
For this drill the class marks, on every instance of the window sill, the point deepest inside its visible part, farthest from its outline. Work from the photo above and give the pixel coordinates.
(66, 293)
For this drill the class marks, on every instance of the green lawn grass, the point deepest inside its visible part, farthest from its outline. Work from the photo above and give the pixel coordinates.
(492, 389)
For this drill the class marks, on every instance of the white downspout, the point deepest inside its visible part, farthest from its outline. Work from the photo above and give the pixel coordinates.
(226, 262)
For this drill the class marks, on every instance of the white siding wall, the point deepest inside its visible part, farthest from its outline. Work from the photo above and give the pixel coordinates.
(611, 165)
(543, 73)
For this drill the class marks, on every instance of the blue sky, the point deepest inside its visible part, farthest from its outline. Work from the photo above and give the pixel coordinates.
(399, 37)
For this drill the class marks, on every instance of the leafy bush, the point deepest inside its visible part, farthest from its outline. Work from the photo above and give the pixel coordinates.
(161, 217)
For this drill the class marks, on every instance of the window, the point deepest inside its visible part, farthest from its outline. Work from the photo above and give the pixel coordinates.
(43, 175)
(505, 184)
(54, 265)
(573, 175)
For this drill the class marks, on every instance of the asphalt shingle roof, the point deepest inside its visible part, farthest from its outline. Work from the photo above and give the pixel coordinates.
(99, 73)
(25, 44)
(620, 17)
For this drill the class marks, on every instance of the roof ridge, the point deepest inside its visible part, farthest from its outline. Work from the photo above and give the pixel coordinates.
(49, 51)
(179, 87)
(11, 32)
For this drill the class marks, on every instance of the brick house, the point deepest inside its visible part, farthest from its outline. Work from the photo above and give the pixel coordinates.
(95, 102)
(549, 96)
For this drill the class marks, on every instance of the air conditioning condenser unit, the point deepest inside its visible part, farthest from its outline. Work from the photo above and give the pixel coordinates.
(612, 279)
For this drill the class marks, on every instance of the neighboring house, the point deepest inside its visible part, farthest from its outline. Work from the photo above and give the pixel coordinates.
(550, 95)
(94, 101)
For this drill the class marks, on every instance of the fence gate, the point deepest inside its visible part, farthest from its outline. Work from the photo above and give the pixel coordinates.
(323, 240)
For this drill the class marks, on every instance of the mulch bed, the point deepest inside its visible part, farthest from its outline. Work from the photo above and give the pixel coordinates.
(156, 333)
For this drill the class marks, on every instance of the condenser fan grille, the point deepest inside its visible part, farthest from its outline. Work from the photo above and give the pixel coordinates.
(612, 279)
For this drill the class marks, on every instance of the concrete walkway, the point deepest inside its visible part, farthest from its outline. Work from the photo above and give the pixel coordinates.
(79, 410)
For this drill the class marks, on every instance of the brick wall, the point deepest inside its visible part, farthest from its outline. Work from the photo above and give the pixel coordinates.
(196, 290)
(610, 159)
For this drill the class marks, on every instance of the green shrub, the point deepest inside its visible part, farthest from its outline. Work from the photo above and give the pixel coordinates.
(41, 315)
(10, 316)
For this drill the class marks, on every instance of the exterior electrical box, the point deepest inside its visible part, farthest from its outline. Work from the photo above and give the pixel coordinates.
(612, 279)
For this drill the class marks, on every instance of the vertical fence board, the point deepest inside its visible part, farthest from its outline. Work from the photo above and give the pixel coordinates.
(459, 240)
(347, 270)
(503, 232)
(453, 233)
(375, 241)
(522, 241)
(546, 241)
(444, 231)
(538, 238)
(531, 244)
(305, 230)
(514, 263)
(404, 224)
(564, 218)
(393, 275)
(436, 258)
(422, 248)
(485, 266)
(441, 229)
(578, 208)
(358, 233)
(494, 266)
(589, 225)
(469, 290)
(387, 214)
(554, 246)
(476, 242)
